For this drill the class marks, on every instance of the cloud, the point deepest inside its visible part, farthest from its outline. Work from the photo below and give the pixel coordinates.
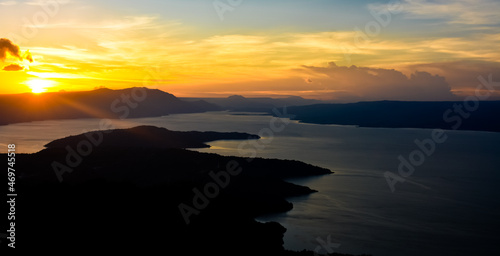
(461, 75)
(470, 12)
(343, 84)
(28, 56)
(13, 67)
(6, 46)
(130, 22)
(365, 83)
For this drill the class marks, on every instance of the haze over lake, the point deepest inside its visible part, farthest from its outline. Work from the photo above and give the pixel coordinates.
(448, 206)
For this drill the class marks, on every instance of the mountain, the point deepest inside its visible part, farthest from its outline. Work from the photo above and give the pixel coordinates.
(240, 103)
(101, 103)
(479, 116)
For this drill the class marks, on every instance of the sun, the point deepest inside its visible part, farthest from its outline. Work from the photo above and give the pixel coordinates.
(39, 85)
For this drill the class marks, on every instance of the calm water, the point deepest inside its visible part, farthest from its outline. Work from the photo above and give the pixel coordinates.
(450, 205)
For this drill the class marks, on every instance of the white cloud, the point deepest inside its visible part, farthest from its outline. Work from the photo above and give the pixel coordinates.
(472, 12)
(135, 22)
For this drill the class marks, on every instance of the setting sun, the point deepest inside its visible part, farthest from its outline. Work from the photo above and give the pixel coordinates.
(39, 85)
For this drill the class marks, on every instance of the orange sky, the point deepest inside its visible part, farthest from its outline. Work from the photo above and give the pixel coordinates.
(254, 49)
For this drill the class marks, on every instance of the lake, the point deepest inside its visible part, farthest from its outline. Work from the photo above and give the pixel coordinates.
(449, 205)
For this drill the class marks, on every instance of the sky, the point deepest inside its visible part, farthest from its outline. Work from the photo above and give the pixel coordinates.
(336, 50)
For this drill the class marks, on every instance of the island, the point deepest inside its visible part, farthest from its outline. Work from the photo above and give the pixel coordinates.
(140, 188)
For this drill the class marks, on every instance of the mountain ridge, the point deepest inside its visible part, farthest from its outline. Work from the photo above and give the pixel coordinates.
(133, 102)
(448, 115)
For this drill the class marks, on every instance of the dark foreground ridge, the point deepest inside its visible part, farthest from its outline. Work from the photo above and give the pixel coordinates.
(150, 137)
(475, 116)
(167, 199)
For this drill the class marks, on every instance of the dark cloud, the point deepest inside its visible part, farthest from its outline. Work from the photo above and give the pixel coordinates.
(461, 75)
(364, 83)
(13, 67)
(6, 46)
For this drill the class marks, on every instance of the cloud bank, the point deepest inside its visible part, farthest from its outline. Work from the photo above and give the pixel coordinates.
(340, 84)
(461, 75)
(354, 83)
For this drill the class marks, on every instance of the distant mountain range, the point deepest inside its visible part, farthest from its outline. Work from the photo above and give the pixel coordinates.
(142, 102)
(100, 103)
(447, 115)
(240, 103)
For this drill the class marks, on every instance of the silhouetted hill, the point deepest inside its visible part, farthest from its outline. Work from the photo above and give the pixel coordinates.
(404, 114)
(240, 103)
(122, 197)
(101, 103)
(150, 137)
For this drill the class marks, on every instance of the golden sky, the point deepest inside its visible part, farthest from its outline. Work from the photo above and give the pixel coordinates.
(408, 50)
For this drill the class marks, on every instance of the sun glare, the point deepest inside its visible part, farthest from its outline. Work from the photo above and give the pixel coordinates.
(39, 85)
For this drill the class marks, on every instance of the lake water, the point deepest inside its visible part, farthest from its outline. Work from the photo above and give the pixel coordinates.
(450, 205)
